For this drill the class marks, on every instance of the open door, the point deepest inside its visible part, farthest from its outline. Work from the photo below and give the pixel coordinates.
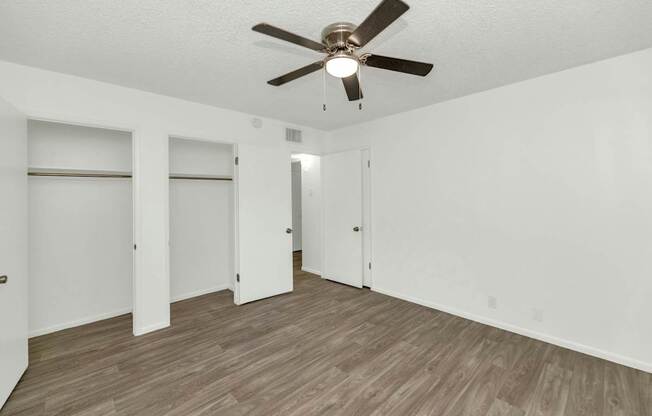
(263, 223)
(13, 248)
(342, 196)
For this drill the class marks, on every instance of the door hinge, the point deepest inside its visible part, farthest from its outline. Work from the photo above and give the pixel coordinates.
(237, 160)
(369, 265)
(237, 277)
(368, 163)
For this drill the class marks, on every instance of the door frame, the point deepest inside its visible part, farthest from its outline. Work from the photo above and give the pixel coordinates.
(234, 205)
(365, 261)
(135, 200)
(236, 227)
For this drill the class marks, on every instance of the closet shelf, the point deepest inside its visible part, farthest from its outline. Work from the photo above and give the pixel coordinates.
(78, 173)
(191, 176)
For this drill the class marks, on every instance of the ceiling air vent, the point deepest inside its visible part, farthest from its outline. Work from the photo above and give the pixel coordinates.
(293, 135)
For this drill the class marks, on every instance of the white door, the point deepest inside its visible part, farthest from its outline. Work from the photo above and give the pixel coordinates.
(13, 248)
(342, 196)
(263, 223)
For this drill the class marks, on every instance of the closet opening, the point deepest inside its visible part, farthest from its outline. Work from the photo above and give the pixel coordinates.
(306, 214)
(202, 218)
(80, 225)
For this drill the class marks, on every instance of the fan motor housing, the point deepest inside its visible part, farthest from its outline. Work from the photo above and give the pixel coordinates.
(336, 34)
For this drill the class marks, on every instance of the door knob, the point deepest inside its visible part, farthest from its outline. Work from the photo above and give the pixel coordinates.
(288, 230)
(356, 228)
(3, 280)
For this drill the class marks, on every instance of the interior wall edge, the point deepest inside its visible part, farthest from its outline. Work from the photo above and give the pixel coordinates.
(560, 342)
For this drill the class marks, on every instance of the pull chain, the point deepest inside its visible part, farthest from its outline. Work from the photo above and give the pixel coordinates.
(324, 88)
(360, 87)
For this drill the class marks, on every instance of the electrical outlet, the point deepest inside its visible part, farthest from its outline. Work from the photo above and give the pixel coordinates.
(537, 315)
(492, 303)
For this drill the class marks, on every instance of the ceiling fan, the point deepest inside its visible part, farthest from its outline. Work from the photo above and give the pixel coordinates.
(341, 41)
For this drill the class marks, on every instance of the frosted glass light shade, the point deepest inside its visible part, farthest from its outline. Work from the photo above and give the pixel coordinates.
(341, 66)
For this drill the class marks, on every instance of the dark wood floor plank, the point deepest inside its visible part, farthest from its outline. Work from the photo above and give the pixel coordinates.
(645, 387)
(587, 383)
(551, 394)
(621, 391)
(500, 408)
(324, 349)
(522, 381)
(480, 393)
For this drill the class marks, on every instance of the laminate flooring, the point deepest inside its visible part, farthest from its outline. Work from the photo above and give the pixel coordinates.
(325, 349)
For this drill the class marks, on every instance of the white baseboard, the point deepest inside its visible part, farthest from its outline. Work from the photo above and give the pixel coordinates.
(151, 328)
(309, 270)
(77, 322)
(113, 314)
(571, 345)
(196, 293)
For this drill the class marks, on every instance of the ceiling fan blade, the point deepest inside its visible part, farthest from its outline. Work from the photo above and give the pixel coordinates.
(382, 16)
(291, 76)
(278, 33)
(352, 87)
(399, 65)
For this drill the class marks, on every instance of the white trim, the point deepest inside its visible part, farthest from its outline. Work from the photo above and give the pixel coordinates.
(366, 222)
(199, 139)
(236, 224)
(78, 322)
(109, 315)
(201, 292)
(94, 123)
(606, 355)
(151, 328)
(310, 270)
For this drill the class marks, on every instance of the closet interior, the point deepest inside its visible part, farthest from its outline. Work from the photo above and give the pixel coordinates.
(202, 218)
(80, 224)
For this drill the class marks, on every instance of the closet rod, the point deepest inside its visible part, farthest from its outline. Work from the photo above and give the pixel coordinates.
(80, 175)
(202, 178)
(120, 175)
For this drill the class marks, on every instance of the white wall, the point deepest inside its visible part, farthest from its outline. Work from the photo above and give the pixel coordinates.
(65, 146)
(80, 230)
(296, 205)
(311, 220)
(538, 194)
(201, 219)
(153, 119)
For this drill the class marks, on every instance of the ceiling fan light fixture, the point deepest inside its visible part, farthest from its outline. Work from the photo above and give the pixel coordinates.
(342, 43)
(342, 65)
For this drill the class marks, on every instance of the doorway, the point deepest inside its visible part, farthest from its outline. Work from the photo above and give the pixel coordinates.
(296, 205)
(306, 214)
(201, 217)
(81, 224)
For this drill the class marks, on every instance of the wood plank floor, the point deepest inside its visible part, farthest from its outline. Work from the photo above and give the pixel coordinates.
(324, 349)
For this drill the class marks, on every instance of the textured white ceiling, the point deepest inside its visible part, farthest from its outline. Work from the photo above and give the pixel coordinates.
(204, 50)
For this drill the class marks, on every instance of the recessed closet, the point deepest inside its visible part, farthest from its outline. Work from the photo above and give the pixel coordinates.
(201, 217)
(80, 225)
